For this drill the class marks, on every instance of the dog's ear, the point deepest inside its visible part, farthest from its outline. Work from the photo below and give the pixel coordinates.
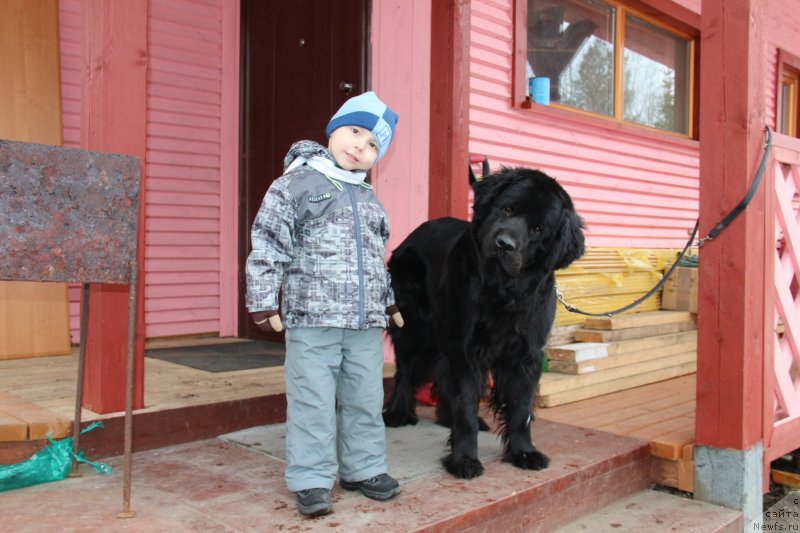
(486, 190)
(568, 243)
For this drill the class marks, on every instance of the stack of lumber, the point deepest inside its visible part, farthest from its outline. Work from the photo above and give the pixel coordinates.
(618, 353)
(610, 278)
(24, 428)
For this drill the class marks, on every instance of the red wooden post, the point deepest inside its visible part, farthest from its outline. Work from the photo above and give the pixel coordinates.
(449, 135)
(114, 114)
(731, 289)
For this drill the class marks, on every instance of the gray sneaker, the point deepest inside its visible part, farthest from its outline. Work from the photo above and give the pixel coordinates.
(314, 502)
(379, 488)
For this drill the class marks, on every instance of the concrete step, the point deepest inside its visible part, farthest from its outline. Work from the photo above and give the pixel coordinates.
(655, 511)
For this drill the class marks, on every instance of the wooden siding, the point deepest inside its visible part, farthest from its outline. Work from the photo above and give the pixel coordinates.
(400, 43)
(634, 187)
(184, 124)
(783, 32)
(182, 259)
(71, 35)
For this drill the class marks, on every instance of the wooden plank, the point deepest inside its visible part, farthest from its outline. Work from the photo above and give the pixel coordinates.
(586, 351)
(34, 317)
(643, 412)
(682, 386)
(17, 451)
(671, 445)
(591, 391)
(599, 335)
(623, 359)
(676, 474)
(664, 472)
(562, 335)
(685, 475)
(40, 421)
(652, 424)
(637, 320)
(12, 428)
(553, 382)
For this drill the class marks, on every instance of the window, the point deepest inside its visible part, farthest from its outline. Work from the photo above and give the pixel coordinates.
(788, 99)
(605, 59)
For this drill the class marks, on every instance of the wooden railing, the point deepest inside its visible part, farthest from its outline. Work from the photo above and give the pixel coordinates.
(782, 301)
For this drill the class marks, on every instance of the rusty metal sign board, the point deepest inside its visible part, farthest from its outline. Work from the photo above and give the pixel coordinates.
(67, 214)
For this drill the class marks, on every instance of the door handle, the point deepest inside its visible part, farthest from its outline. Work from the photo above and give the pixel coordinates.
(346, 87)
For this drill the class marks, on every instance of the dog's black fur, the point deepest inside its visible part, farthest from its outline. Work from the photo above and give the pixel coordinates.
(478, 299)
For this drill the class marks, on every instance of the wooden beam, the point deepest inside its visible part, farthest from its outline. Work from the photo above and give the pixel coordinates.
(114, 110)
(731, 289)
(449, 134)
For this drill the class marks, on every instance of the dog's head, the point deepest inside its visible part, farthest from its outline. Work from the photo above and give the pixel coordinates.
(524, 219)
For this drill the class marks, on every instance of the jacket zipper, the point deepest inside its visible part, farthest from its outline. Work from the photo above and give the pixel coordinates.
(359, 254)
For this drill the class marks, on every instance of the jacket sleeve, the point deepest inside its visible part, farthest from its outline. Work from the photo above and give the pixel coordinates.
(272, 239)
(389, 296)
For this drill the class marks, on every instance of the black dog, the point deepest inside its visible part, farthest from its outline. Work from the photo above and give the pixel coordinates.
(478, 299)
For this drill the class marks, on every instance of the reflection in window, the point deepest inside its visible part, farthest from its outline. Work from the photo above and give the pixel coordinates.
(638, 73)
(656, 78)
(789, 103)
(570, 43)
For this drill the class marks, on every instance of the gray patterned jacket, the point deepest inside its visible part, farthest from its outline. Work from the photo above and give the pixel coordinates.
(307, 240)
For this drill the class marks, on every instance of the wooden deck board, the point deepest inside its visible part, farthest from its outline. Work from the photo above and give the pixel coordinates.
(50, 384)
(662, 413)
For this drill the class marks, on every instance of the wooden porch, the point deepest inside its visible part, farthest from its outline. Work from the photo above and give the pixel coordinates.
(189, 404)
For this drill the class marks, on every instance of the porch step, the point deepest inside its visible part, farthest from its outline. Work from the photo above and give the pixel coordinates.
(588, 470)
(655, 511)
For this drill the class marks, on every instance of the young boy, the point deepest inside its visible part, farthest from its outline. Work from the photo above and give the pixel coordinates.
(320, 235)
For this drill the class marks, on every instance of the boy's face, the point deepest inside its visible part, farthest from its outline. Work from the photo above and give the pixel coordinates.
(353, 147)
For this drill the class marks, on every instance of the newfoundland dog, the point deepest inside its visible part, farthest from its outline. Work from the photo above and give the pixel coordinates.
(478, 301)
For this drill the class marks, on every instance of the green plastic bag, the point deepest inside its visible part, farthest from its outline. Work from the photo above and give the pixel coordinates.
(51, 463)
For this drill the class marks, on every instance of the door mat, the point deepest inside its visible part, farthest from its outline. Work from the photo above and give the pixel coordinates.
(414, 452)
(224, 357)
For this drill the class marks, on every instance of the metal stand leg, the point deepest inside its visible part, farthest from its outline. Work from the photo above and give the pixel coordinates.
(76, 424)
(126, 487)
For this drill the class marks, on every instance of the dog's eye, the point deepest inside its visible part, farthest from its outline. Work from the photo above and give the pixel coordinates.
(508, 210)
(536, 230)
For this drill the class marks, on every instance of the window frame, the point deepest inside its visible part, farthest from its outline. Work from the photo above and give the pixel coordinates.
(788, 67)
(678, 21)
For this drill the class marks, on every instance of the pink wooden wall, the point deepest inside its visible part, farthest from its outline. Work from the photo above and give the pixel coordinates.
(70, 28)
(192, 125)
(184, 123)
(633, 187)
(784, 33)
(401, 35)
(190, 162)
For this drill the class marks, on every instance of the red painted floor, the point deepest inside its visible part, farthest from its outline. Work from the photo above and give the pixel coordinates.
(215, 486)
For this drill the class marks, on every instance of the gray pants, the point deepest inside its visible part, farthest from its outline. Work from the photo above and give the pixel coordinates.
(334, 395)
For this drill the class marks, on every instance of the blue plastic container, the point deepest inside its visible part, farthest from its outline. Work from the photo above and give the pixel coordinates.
(539, 88)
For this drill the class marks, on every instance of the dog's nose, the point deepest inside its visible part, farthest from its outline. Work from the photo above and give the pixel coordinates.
(505, 244)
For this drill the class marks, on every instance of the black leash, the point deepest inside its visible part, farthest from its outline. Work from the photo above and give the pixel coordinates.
(736, 211)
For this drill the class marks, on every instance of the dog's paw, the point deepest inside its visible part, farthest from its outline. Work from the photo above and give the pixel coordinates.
(534, 460)
(395, 419)
(464, 468)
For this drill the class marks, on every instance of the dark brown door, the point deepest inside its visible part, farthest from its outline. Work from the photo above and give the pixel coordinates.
(300, 61)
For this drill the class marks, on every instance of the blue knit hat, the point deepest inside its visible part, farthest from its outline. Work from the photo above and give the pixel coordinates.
(367, 111)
